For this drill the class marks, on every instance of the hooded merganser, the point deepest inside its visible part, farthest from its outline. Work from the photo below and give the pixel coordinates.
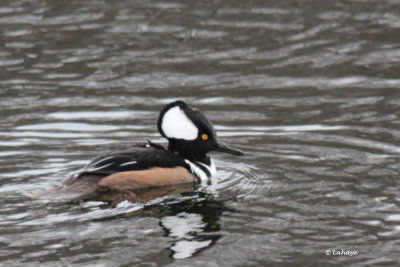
(190, 135)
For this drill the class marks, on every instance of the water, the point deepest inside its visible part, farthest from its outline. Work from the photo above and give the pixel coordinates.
(307, 89)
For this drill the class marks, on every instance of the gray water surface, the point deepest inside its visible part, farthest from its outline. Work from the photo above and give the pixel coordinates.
(309, 90)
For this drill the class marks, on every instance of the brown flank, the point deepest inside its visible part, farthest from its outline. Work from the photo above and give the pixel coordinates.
(146, 178)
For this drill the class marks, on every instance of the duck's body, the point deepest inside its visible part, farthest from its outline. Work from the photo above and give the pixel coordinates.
(141, 166)
(191, 136)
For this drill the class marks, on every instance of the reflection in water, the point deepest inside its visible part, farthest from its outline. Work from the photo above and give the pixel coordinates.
(193, 228)
(144, 195)
(190, 220)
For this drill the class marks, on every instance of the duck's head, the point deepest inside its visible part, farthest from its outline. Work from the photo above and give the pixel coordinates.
(189, 132)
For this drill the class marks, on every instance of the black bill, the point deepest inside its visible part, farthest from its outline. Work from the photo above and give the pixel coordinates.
(224, 148)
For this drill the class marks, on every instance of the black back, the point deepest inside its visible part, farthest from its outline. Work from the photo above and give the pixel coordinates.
(135, 158)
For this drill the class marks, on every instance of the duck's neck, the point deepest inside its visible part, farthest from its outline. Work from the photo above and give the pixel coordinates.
(188, 151)
(199, 163)
(203, 170)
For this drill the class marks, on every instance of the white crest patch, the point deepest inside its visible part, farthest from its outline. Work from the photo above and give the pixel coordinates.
(176, 124)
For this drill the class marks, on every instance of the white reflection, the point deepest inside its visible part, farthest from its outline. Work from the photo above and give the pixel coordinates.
(186, 248)
(183, 224)
(184, 227)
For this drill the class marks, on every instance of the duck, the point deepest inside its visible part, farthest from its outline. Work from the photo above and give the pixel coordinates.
(191, 136)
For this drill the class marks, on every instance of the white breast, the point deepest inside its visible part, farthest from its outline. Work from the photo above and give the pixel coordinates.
(202, 175)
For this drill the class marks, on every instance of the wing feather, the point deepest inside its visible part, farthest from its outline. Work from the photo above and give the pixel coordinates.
(136, 158)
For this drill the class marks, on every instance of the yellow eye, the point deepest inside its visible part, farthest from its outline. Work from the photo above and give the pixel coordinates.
(204, 137)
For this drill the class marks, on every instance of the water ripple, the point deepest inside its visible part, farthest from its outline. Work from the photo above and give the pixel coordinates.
(309, 91)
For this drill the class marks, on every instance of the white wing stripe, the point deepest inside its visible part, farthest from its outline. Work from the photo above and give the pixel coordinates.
(98, 168)
(128, 163)
(102, 160)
